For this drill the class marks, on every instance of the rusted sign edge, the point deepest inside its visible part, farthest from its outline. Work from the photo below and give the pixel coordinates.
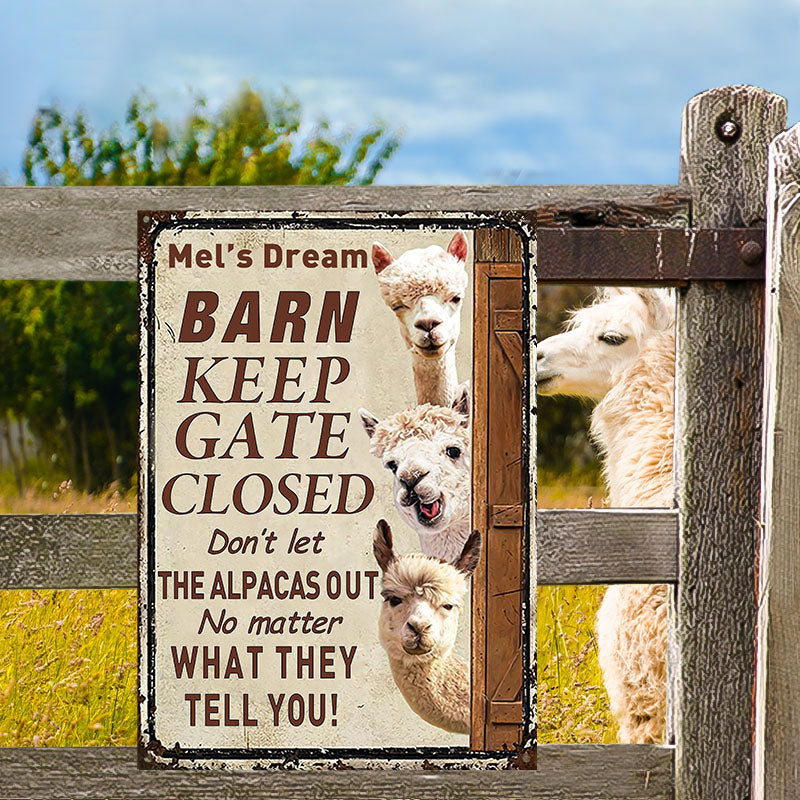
(153, 754)
(649, 255)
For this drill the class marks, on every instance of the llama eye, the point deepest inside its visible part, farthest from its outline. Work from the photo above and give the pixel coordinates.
(453, 452)
(448, 606)
(394, 601)
(392, 465)
(613, 339)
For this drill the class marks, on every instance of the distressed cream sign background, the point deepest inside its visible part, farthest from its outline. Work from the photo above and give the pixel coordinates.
(370, 712)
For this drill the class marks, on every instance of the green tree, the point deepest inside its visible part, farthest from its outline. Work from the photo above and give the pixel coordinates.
(69, 350)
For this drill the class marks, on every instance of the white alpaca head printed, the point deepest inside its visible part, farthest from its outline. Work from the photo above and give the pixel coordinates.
(422, 597)
(601, 341)
(425, 289)
(427, 450)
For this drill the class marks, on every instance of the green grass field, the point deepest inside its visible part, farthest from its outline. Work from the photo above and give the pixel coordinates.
(68, 658)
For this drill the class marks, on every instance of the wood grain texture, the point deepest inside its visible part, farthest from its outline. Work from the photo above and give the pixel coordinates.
(44, 551)
(503, 549)
(565, 772)
(606, 546)
(89, 233)
(777, 766)
(718, 450)
(491, 244)
(728, 179)
(480, 510)
(74, 551)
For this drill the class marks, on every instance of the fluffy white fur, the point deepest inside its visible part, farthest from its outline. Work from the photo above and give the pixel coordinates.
(425, 289)
(621, 350)
(422, 601)
(427, 449)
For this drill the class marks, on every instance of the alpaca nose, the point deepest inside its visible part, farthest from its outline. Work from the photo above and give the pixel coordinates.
(411, 479)
(427, 324)
(418, 627)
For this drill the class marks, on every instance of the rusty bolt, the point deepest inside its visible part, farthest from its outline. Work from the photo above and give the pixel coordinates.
(750, 252)
(728, 131)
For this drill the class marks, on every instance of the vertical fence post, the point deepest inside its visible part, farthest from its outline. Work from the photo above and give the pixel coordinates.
(718, 448)
(777, 767)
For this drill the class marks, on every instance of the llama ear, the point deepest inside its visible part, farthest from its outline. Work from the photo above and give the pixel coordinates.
(382, 545)
(659, 307)
(607, 292)
(470, 555)
(368, 421)
(381, 257)
(461, 404)
(458, 246)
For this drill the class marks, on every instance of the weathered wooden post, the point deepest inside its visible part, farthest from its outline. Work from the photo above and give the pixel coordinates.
(776, 765)
(718, 448)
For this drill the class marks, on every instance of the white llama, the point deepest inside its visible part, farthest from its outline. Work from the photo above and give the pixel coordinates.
(427, 449)
(621, 351)
(422, 600)
(425, 288)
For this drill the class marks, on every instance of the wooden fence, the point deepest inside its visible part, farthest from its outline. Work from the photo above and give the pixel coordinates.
(707, 548)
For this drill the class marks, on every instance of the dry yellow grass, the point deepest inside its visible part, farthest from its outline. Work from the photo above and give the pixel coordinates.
(68, 658)
(67, 668)
(573, 706)
(62, 498)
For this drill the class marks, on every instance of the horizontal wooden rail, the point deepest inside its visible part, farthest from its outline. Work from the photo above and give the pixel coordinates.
(89, 232)
(565, 772)
(606, 546)
(642, 255)
(53, 551)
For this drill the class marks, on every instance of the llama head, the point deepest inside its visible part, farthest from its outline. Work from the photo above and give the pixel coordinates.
(425, 289)
(427, 449)
(422, 597)
(602, 340)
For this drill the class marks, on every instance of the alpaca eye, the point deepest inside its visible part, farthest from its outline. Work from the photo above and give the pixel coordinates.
(394, 601)
(453, 452)
(613, 339)
(399, 307)
(455, 300)
(392, 465)
(448, 606)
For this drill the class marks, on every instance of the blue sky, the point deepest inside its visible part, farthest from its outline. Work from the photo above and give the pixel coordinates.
(496, 91)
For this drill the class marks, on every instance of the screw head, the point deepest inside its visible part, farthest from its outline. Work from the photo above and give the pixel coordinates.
(728, 131)
(751, 252)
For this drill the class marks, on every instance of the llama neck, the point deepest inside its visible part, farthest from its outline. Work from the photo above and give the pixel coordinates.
(446, 544)
(437, 689)
(633, 427)
(435, 379)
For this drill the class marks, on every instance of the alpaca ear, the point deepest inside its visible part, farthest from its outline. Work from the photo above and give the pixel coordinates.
(470, 555)
(458, 246)
(382, 545)
(381, 257)
(461, 404)
(368, 421)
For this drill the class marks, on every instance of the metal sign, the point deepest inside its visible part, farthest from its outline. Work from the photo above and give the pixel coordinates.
(309, 535)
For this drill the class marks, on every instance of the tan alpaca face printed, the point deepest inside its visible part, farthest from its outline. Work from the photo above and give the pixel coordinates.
(601, 341)
(420, 619)
(425, 288)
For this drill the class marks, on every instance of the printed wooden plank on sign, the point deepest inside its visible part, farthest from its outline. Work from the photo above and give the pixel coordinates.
(311, 546)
